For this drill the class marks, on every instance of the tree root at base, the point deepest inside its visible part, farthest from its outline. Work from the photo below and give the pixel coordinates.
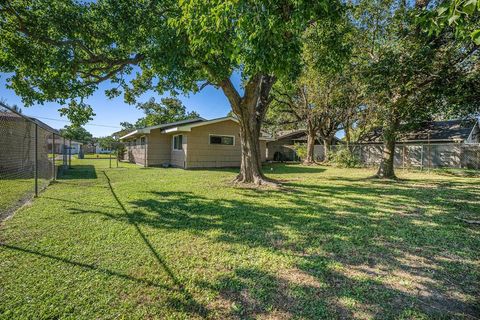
(257, 182)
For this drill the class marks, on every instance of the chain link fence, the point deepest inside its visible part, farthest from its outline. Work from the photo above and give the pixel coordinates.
(31, 155)
(423, 156)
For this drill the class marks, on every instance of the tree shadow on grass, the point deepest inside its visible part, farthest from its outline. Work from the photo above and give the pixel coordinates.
(87, 266)
(190, 304)
(273, 168)
(86, 171)
(379, 251)
(368, 237)
(186, 303)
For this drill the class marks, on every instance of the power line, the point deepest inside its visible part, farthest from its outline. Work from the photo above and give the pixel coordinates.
(87, 124)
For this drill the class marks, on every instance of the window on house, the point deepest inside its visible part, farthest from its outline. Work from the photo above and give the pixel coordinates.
(226, 140)
(177, 142)
(142, 142)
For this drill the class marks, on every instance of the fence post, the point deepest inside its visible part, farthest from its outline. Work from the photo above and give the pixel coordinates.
(35, 157)
(421, 157)
(429, 156)
(53, 156)
(70, 154)
(478, 159)
(403, 157)
(110, 157)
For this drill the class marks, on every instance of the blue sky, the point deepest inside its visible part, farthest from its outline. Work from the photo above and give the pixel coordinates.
(209, 103)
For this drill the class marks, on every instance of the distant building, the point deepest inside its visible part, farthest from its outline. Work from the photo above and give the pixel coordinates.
(193, 143)
(282, 148)
(433, 132)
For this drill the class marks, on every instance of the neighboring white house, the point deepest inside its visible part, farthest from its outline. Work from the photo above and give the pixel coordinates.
(99, 149)
(63, 144)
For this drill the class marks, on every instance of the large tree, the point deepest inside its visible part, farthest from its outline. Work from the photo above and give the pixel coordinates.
(407, 70)
(61, 50)
(292, 104)
(165, 111)
(76, 133)
(319, 100)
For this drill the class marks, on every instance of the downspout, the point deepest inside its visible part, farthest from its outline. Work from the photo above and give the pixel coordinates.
(145, 162)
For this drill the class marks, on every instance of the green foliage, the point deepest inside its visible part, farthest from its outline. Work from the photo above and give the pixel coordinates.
(326, 94)
(407, 68)
(58, 51)
(78, 113)
(76, 133)
(300, 150)
(461, 15)
(107, 142)
(343, 157)
(168, 110)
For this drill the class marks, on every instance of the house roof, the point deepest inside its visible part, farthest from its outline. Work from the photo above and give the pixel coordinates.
(293, 134)
(189, 126)
(161, 126)
(186, 126)
(298, 135)
(446, 131)
(15, 116)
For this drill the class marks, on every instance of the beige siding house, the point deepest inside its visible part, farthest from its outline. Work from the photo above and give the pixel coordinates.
(196, 143)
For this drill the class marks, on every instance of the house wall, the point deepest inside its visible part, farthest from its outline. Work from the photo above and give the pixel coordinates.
(202, 154)
(159, 148)
(135, 153)
(285, 147)
(280, 146)
(197, 151)
(178, 157)
(17, 150)
(17, 140)
(263, 150)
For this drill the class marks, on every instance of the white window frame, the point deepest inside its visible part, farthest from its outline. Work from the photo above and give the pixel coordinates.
(173, 142)
(221, 135)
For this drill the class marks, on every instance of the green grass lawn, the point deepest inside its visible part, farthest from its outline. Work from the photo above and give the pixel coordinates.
(174, 244)
(13, 191)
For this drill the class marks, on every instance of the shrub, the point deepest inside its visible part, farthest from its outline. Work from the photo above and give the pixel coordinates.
(344, 158)
(300, 150)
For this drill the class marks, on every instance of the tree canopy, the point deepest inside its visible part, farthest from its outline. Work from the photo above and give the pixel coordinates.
(61, 51)
(165, 111)
(403, 61)
(79, 134)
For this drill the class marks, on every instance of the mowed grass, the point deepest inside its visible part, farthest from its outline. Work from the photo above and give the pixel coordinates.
(14, 192)
(175, 244)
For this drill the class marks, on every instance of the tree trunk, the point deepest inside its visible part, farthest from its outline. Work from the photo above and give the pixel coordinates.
(327, 145)
(310, 157)
(347, 134)
(250, 167)
(386, 169)
(250, 111)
